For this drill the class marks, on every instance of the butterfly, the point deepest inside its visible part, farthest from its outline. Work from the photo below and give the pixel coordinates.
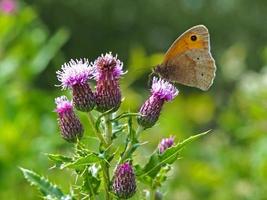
(188, 61)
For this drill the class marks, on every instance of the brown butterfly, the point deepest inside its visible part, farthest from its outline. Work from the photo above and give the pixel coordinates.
(188, 61)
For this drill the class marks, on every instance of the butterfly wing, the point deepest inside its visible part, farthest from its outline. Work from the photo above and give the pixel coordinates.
(189, 61)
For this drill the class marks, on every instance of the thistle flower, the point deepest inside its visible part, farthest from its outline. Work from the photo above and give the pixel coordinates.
(107, 71)
(124, 185)
(70, 126)
(165, 144)
(75, 75)
(161, 91)
(8, 6)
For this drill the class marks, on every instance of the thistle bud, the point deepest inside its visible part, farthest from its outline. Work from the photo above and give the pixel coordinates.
(161, 91)
(70, 126)
(124, 185)
(165, 144)
(107, 71)
(75, 75)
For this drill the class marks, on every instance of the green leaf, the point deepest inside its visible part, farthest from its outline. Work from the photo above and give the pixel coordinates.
(59, 159)
(153, 166)
(161, 176)
(81, 150)
(144, 179)
(169, 156)
(91, 181)
(83, 161)
(49, 190)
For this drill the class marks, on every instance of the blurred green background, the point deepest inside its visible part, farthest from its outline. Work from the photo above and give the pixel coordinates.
(37, 37)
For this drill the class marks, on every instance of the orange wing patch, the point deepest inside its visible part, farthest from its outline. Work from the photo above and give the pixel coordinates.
(195, 38)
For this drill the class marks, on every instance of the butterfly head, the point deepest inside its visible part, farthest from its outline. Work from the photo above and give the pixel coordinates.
(162, 71)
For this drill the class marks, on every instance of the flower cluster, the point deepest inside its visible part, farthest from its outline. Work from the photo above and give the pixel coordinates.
(76, 76)
(79, 76)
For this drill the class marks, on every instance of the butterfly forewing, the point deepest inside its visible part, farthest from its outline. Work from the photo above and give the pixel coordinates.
(188, 61)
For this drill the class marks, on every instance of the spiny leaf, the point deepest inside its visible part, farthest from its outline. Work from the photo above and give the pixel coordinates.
(49, 190)
(91, 182)
(161, 176)
(153, 165)
(144, 179)
(169, 156)
(83, 161)
(59, 159)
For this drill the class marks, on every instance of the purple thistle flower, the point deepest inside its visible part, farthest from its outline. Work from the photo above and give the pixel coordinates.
(161, 91)
(70, 126)
(8, 6)
(165, 144)
(124, 185)
(107, 71)
(75, 75)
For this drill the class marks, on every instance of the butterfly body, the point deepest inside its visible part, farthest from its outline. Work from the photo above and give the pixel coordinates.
(189, 61)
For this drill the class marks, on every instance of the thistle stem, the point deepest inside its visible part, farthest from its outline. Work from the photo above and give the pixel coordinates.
(97, 133)
(127, 152)
(130, 146)
(138, 131)
(105, 169)
(152, 193)
(108, 129)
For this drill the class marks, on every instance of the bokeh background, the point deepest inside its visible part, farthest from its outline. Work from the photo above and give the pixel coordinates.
(37, 37)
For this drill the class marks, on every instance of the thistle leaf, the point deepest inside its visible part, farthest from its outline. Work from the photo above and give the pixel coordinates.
(59, 159)
(161, 176)
(91, 181)
(83, 161)
(169, 156)
(48, 189)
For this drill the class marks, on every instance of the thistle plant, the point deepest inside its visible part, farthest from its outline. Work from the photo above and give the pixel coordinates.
(111, 169)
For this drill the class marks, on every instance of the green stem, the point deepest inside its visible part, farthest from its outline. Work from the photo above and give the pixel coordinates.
(127, 152)
(130, 146)
(138, 131)
(105, 165)
(105, 169)
(108, 129)
(152, 193)
(97, 133)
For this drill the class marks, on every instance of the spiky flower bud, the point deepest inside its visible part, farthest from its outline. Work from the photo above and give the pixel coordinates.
(124, 185)
(75, 75)
(165, 144)
(70, 126)
(107, 71)
(161, 91)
